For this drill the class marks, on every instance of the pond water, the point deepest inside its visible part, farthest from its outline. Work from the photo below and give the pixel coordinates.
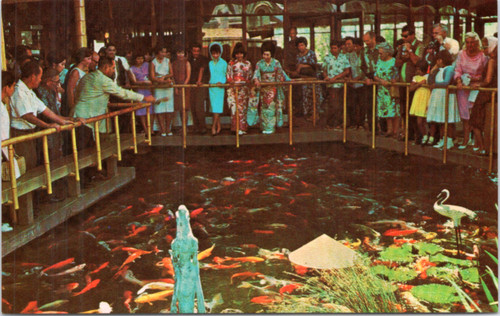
(253, 199)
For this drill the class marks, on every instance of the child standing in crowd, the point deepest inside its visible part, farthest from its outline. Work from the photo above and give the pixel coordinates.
(218, 69)
(182, 74)
(420, 100)
(140, 72)
(160, 73)
(441, 75)
(239, 72)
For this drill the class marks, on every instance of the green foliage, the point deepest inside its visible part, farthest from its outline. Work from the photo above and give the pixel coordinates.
(436, 293)
(399, 275)
(356, 289)
(470, 275)
(465, 298)
(442, 258)
(439, 272)
(399, 254)
(425, 248)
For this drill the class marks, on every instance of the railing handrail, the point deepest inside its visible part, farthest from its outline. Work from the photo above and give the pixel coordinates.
(298, 82)
(52, 130)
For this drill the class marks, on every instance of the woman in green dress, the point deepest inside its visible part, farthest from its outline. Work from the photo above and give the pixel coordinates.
(271, 98)
(386, 73)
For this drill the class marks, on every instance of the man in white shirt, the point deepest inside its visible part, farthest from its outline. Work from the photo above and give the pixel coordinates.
(440, 33)
(122, 66)
(25, 106)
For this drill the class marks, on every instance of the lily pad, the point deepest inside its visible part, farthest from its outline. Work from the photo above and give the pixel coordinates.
(470, 275)
(427, 248)
(442, 258)
(439, 272)
(399, 254)
(400, 274)
(435, 293)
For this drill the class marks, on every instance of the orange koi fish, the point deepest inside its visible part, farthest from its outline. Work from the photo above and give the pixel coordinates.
(292, 201)
(9, 305)
(268, 232)
(30, 264)
(88, 220)
(221, 266)
(290, 165)
(167, 264)
(148, 298)
(396, 232)
(304, 183)
(31, 307)
(249, 246)
(304, 194)
(89, 286)
(289, 288)
(245, 275)
(154, 211)
(263, 166)
(126, 209)
(300, 270)
(405, 287)
(102, 266)
(206, 253)
(130, 259)
(196, 212)
(399, 242)
(136, 231)
(244, 259)
(50, 312)
(247, 191)
(58, 265)
(262, 300)
(127, 295)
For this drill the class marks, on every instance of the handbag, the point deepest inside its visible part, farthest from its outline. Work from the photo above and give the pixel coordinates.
(21, 164)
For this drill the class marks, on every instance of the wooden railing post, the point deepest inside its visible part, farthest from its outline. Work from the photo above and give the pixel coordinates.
(446, 113)
(406, 118)
(344, 132)
(290, 115)
(237, 115)
(184, 127)
(134, 133)
(47, 164)
(98, 145)
(118, 145)
(492, 131)
(374, 109)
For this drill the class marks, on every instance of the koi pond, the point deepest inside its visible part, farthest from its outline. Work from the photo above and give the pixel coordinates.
(254, 205)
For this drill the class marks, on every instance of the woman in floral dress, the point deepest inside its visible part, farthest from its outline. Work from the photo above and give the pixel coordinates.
(239, 71)
(385, 73)
(271, 98)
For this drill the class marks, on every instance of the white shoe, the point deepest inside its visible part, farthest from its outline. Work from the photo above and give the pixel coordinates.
(430, 141)
(449, 143)
(170, 134)
(440, 144)
(267, 132)
(425, 138)
(242, 132)
(462, 147)
(163, 134)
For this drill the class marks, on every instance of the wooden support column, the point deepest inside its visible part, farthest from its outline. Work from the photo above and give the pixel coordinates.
(25, 212)
(457, 30)
(377, 17)
(409, 17)
(153, 24)
(311, 35)
(74, 187)
(4, 60)
(81, 27)
(468, 23)
(361, 24)
(111, 166)
(286, 29)
(244, 25)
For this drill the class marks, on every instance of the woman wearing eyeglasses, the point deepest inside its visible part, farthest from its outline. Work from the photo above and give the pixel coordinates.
(50, 92)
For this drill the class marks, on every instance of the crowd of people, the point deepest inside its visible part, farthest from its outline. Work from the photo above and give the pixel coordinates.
(49, 93)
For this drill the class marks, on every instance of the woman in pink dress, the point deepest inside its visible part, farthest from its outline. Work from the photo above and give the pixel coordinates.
(470, 64)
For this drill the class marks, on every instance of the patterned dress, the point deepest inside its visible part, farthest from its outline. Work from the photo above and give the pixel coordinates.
(387, 107)
(437, 101)
(239, 72)
(271, 97)
(307, 89)
(141, 74)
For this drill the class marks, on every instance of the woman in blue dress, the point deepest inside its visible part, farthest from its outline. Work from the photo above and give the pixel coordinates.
(218, 70)
(271, 98)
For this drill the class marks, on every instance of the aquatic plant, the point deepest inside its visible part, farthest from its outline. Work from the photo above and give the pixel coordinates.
(442, 258)
(436, 293)
(397, 254)
(425, 248)
(356, 289)
(465, 298)
(399, 274)
(493, 303)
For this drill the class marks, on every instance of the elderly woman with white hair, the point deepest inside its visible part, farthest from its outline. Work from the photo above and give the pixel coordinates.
(385, 73)
(470, 64)
(480, 117)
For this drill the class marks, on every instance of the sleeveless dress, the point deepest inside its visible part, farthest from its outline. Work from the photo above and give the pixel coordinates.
(141, 74)
(436, 108)
(420, 99)
(162, 69)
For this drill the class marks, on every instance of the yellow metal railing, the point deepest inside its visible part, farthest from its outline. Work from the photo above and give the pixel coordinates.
(290, 84)
(132, 107)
